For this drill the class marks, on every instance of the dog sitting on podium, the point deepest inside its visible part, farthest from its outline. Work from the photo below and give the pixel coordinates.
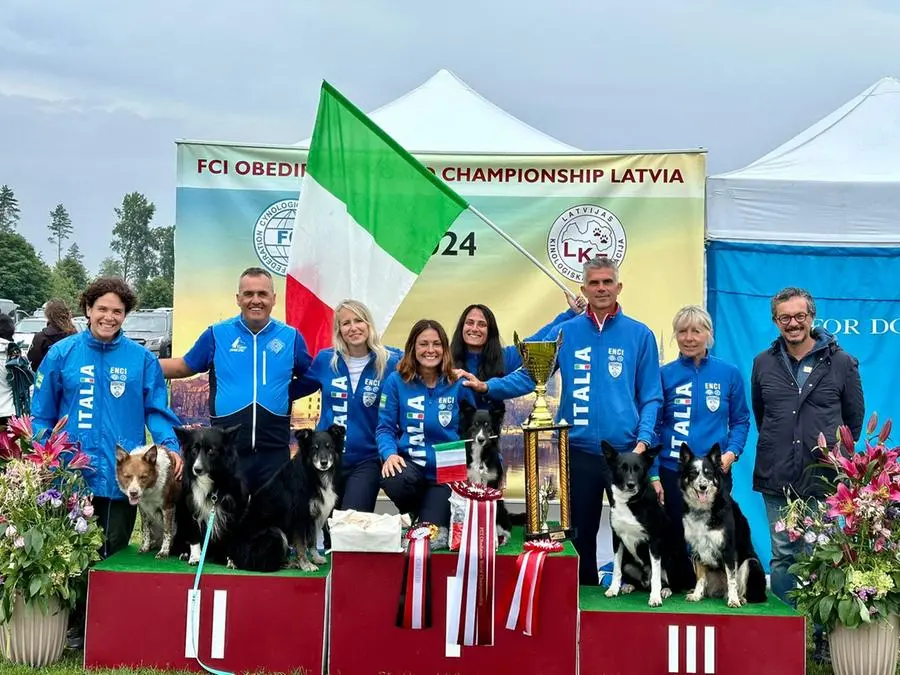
(644, 547)
(718, 534)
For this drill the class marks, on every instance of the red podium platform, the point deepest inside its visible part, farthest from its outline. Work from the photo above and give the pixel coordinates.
(364, 640)
(624, 636)
(137, 617)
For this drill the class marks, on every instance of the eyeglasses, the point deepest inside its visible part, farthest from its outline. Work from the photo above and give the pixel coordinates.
(785, 319)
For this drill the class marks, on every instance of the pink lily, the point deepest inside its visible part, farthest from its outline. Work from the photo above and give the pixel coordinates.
(873, 424)
(9, 449)
(21, 427)
(59, 442)
(883, 487)
(842, 503)
(885, 431)
(80, 460)
(45, 455)
(59, 425)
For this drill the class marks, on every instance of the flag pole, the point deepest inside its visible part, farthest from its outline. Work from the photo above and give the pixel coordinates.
(521, 250)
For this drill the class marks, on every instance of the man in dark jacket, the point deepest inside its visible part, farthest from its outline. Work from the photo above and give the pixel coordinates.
(802, 385)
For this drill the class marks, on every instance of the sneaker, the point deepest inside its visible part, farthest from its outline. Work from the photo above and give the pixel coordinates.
(75, 638)
(821, 650)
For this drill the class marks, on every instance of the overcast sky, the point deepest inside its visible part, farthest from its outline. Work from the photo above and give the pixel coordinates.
(93, 94)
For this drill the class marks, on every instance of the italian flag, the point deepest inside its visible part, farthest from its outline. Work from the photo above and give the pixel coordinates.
(451, 461)
(368, 218)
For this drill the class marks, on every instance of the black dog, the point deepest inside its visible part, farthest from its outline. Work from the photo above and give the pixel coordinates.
(482, 429)
(211, 479)
(718, 534)
(293, 505)
(645, 548)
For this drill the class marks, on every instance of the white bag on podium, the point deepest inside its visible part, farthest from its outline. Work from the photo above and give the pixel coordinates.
(366, 532)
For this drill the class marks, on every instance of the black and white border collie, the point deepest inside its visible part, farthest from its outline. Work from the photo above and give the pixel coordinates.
(481, 429)
(211, 479)
(644, 546)
(294, 505)
(718, 534)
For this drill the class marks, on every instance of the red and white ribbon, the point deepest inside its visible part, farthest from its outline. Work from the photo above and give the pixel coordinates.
(523, 607)
(414, 609)
(471, 604)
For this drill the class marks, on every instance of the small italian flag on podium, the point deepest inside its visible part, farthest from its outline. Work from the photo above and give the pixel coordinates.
(451, 461)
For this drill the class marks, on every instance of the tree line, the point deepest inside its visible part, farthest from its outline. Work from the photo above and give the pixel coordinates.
(142, 254)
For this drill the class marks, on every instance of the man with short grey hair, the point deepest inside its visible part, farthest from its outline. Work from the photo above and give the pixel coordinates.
(610, 391)
(804, 384)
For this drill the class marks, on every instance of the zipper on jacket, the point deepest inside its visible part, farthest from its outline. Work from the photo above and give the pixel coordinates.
(253, 422)
(264, 368)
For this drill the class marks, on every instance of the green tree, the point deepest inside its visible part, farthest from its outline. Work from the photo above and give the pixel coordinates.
(110, 267)
(165, 252)
(72, 269)
(63, 288)
(24, 277)
(75, 253)
(156, 293)
(60, 228)
(133, 239)
(9, 209)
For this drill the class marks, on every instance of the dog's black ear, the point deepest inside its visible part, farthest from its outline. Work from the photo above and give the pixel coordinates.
(121, 454)
(609, 452)
(150, 455)
(651, 453)
(715, 454)
(498, 412)
(337, 433)
(182, 435)
(303, 436)
(466, 411)
(686, 454)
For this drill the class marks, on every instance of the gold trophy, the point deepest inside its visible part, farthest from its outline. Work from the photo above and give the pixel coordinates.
(539, 360)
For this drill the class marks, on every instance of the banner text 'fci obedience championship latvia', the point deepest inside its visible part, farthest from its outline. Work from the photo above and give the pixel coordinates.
(235, 208)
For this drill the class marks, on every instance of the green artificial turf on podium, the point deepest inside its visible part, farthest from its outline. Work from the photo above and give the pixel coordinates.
(129, 560)
(516, 540)
(592, 599)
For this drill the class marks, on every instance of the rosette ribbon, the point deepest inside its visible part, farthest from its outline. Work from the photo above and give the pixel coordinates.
(414, 610)
(526, 592)
(471, 605)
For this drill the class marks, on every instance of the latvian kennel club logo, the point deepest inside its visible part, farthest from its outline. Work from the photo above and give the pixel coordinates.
(582, 233)
(272, 235)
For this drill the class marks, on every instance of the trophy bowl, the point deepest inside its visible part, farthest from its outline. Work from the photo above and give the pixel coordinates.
(539, 361)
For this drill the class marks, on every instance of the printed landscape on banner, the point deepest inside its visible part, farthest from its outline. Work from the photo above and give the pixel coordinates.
(235, 208)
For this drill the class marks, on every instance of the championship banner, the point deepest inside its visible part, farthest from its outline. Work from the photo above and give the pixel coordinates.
(235, 208)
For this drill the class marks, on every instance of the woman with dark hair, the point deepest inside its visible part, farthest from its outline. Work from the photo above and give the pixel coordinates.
(477, 348)
(420, 408)
(59, 325)
(7, 403)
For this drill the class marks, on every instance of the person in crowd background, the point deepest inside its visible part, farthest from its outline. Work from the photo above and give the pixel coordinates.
(59, 326)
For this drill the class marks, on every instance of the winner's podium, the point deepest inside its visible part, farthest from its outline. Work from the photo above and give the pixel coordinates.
(625, 636)
(365, 589)
(137, 613)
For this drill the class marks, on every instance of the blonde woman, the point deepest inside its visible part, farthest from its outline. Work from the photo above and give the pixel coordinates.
(350, 376)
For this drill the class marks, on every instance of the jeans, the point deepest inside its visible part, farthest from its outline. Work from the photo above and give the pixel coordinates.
(412, 493)
(359, 485)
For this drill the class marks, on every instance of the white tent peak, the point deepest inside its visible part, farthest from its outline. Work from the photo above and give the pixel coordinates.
(860, 141)
(444, 114)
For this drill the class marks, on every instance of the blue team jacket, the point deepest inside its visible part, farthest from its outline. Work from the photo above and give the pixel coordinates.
(249, 379)
(413, 418)
(610, 382)
(704, 405)
(356, 411)
(110, 391)
(511, 357)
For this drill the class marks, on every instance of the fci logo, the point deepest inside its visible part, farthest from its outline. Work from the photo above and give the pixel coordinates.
(582, 233)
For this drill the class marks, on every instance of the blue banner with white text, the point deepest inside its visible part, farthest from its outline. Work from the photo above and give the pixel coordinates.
(857, 295)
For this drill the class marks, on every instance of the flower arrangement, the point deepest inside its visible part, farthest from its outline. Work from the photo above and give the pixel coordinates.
(850, 571)
(48, 532)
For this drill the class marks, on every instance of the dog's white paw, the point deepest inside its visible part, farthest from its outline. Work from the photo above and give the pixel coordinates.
(144, 547)
(693, 596)
(306, 565)
(316, 557)
(229, 563)
(655, 600)
(627, 588)
(612, 591)
(734, 601)
(666, 593)
(163, 554)
(502, 536)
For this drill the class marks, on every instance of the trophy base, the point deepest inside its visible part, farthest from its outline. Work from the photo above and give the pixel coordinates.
(555, 533)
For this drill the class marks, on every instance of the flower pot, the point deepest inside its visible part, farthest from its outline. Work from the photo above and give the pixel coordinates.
(32, 637)
(869, 649)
